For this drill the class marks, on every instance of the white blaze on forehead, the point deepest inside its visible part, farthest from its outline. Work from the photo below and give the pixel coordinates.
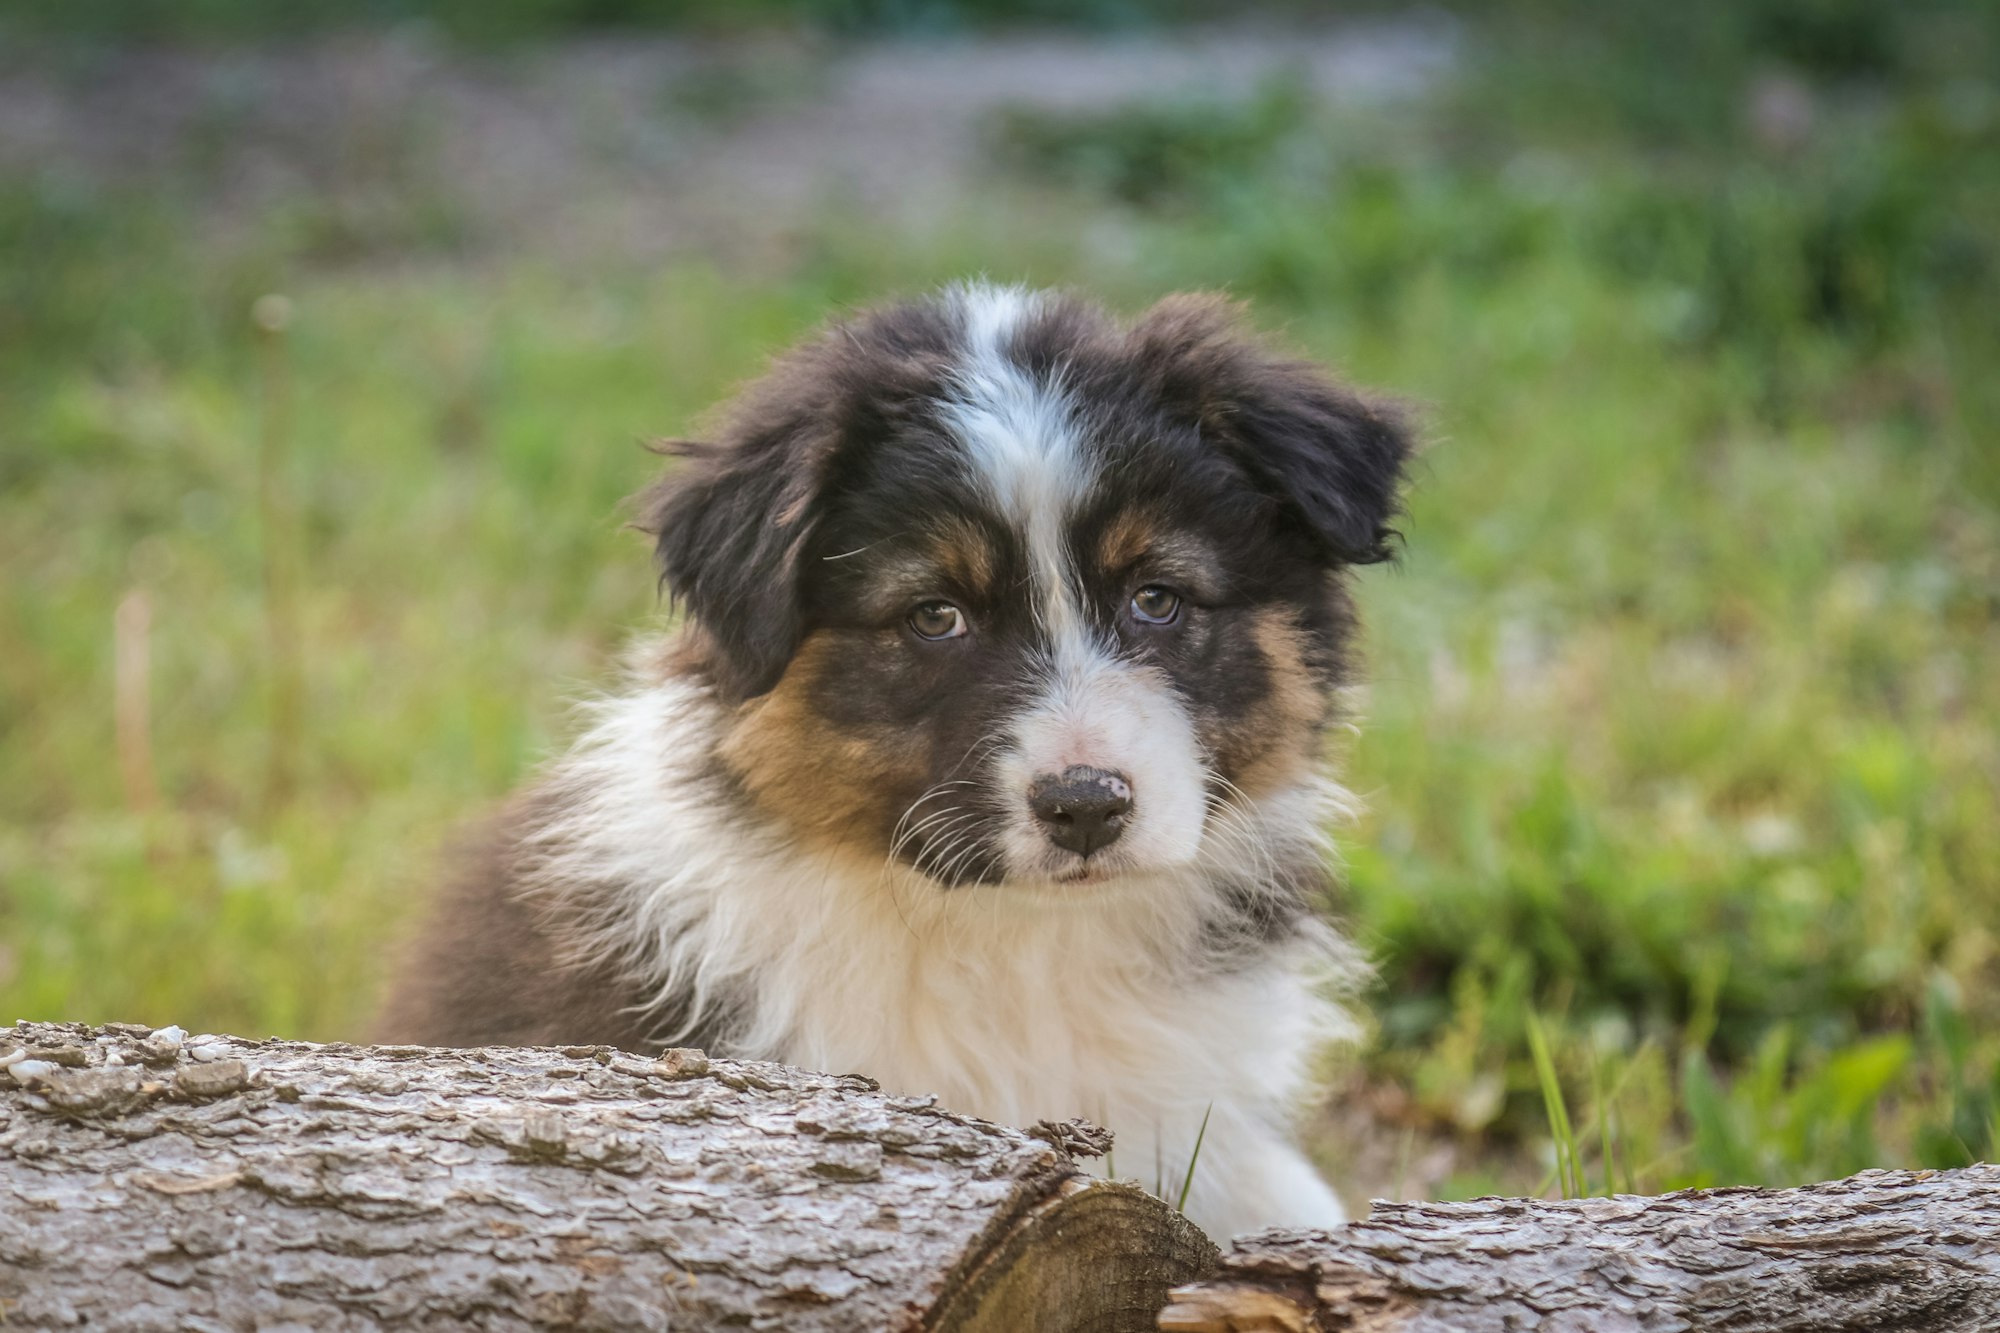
(1021, 438)
(1024, 443)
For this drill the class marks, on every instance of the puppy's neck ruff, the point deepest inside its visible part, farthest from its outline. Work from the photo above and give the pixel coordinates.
(1127, 1002)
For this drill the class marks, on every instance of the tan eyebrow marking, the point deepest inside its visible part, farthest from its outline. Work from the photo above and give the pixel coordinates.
(964, 554)
(1126, 539)
(950, 557)
(1136, 538)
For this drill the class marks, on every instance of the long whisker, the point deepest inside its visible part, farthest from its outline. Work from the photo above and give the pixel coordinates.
(928, 821)
(907, 827)
(961, 862)
(953, 867)
(1233, 813)
(929, 793)
(886, 879)
(942, 787)
(941, 825)
(947, 837)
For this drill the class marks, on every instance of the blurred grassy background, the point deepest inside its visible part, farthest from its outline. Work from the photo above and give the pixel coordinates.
(327, 334)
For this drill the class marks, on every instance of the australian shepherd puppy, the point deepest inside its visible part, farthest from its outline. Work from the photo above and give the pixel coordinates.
(987, 760)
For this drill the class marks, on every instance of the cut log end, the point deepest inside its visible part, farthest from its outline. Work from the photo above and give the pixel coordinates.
(1097, 1255)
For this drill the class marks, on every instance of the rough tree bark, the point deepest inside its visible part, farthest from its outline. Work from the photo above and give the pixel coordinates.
(1917, 1251)
(149, 1180)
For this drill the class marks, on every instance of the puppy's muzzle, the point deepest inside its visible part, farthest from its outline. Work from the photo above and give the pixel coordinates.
(1082, 809)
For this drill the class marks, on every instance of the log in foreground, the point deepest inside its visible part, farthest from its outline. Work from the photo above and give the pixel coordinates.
(153, 1180)
(1916, 1251)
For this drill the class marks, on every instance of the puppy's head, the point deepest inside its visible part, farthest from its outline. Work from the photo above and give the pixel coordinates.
(1010, 592)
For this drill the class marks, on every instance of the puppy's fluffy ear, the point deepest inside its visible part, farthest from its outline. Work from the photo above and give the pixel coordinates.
(730, 526)
(1331, 458)
(736, 520)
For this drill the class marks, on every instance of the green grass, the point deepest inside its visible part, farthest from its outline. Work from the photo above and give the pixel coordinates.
(1194, 1157)
(1683, 744)
(1569, 1176)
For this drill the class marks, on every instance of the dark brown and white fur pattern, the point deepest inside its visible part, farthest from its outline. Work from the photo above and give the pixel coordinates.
(988, 761)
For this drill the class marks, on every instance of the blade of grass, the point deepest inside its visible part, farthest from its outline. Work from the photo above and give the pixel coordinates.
(1607, 1161)
(1567, 1170)
(1187, 1181)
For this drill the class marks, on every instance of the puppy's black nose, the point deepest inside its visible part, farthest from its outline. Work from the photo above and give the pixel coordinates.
(1081, 809)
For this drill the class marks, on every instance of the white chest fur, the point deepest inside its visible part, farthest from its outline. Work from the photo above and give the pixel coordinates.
(1017, 1004)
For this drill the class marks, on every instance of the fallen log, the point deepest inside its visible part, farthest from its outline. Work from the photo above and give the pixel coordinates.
(1915, 1251)
(152, 1180)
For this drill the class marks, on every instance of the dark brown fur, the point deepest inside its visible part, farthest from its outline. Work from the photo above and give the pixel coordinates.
(487, 971)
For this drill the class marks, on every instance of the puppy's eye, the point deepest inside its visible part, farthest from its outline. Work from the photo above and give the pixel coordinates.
(938, 620)
(1154, 605)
